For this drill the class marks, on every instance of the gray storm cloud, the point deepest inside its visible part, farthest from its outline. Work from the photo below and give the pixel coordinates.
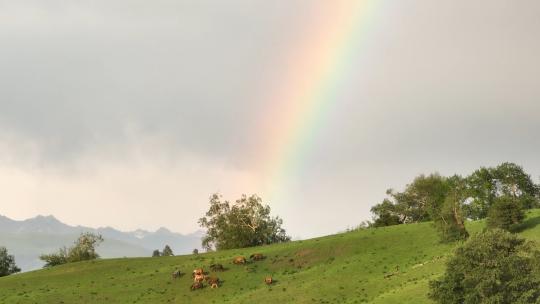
(144, 108)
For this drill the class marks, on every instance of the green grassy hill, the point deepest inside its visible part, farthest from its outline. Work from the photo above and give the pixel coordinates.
(344, 268)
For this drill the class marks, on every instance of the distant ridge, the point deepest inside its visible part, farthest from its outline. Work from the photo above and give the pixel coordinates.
(29, 238)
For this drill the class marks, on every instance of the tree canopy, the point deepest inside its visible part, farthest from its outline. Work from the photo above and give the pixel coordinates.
(425, 198)
(245, 223)
(418, 203)
(486, 185)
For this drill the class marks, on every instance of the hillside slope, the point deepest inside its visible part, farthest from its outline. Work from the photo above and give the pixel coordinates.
(343, 268)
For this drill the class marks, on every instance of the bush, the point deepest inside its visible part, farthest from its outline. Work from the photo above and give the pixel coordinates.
(7, 263)
(491, 267)
(506, 213)
(55, 259)
(82, 250)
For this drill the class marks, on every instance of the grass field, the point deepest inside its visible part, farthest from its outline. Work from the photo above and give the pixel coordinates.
(343, 268)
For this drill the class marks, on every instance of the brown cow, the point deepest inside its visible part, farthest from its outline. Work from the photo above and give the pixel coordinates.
(198, 271)
(199, 278)
(239, 260)
(257, 257)
(213, 282)
(196, 285)
(268, 280)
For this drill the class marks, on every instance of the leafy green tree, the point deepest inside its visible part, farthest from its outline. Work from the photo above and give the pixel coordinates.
(449, 218)
(491, 267)
(417, 203)
(82, 250)
(385, 214)
(481, 188)
(245, 223)
(514, 182)
(7, 263)
(195, 251)
(486, 185)
(506, 213)
(85, 247)
(167, 251)
(156, 253)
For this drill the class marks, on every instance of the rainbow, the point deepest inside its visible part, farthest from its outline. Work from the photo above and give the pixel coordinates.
(311, 87)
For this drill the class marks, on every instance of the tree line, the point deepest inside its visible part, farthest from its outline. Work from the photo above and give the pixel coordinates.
(500, 194)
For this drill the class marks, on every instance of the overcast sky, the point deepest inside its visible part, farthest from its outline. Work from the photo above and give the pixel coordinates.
(131, 113)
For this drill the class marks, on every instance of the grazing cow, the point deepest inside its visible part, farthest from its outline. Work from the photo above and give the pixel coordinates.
(257, 257)
(176, 274)
(239, 260)
(198, 278)
(268, 280)
(213, 282)
(196, 285)
(217, 268)
(198, 271)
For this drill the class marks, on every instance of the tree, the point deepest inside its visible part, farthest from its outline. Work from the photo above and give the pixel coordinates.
(167, 251)
(156, 253)
(83, 249)
(491, 267)
(506, 213)
(416, 204)
(7, 263)
(195, 251)
(514, 182)
(482, 194)
(424, 198)
(486, 185)
(245, 223)
(449, 218)
(385, 214)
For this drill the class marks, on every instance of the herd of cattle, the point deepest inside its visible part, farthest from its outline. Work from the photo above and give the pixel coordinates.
(200, 276)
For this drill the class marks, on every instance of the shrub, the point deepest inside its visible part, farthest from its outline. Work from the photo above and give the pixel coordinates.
(491, 267)
(506, 213)
(82, 250)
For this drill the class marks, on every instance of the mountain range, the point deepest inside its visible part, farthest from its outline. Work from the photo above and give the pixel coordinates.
(30, 238)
